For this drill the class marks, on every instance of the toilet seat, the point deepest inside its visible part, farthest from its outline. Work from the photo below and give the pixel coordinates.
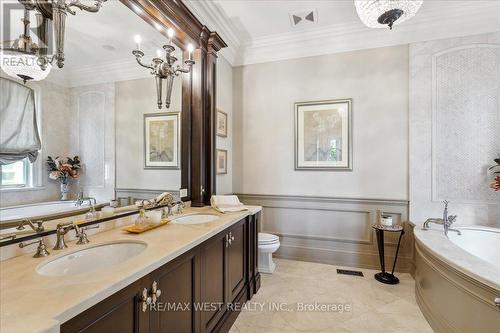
(267, 239)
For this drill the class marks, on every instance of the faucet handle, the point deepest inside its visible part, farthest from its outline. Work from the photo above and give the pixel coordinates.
(452, 219)
(82, 235)
(41, 250)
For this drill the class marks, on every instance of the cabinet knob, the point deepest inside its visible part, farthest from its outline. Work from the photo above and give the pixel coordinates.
(155, 292)
(497, 302)
(145, 300)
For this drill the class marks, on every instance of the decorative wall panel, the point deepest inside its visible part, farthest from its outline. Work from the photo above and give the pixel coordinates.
(91, 136)
(466, 122)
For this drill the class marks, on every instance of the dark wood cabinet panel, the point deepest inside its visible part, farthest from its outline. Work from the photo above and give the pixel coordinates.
(213, 280)
(255, 253)
(237, 255)
(178, 281)
(196, 290)
(121, 312)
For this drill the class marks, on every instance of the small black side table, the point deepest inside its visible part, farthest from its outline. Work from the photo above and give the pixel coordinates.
(385, 277)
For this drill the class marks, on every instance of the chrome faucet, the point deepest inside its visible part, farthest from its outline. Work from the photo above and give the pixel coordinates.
(446, 221)
(79, 198)
(61, 231)
(170, 207)
(38, 228)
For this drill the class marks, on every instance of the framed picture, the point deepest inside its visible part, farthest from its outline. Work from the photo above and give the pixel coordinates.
(221, 123)
(162, 140)
(323, 135)
(221, 161)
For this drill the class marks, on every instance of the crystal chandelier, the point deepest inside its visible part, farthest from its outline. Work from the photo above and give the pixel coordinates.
(163, 69)
(20, 59)
(381, 13)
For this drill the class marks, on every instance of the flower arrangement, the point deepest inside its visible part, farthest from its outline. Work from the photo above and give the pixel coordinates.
(63, 171)
(496, 181)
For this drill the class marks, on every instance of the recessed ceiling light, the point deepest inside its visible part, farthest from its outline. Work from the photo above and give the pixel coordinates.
(108, 47)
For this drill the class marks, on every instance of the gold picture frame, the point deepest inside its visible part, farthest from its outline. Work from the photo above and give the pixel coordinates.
(162, 140)
(221, 124)
(323, 135)
(221, 161)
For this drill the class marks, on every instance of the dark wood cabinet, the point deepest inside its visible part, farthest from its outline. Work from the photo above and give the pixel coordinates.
(194, 293)
(121, 312)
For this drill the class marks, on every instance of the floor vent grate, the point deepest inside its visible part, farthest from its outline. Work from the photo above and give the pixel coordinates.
(349, 272)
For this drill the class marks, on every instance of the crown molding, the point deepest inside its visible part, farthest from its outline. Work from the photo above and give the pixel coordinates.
(122, 70)
(461, 19)
(353, 36)
(216, 20)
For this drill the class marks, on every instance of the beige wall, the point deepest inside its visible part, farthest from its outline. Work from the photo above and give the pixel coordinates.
(264, 97)
(225, 103)
(135, 98)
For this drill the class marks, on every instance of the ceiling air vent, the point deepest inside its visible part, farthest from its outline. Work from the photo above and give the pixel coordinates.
(303, 18)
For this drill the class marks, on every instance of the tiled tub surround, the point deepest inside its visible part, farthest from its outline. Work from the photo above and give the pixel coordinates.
(45, 302)
(454, 128)
(455, 290)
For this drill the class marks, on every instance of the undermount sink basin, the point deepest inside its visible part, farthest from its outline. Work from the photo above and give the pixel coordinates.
(92, 258)
(195, 219)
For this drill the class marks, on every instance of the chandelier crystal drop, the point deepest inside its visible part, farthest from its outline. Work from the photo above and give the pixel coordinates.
(383, 13)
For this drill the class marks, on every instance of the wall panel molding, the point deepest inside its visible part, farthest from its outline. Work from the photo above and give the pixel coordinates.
(139, 194)
(333, 230)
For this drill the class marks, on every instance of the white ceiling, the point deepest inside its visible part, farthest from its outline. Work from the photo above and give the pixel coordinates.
(260, 31)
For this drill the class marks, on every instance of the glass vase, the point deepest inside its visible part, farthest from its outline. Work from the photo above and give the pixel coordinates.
(64, 191)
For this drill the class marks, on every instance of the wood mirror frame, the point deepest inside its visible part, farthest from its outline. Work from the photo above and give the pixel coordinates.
(198, 93)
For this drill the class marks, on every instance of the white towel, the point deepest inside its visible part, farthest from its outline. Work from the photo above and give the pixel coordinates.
(227, 203)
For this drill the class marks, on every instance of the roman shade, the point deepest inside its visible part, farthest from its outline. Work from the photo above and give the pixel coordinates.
(19, 136)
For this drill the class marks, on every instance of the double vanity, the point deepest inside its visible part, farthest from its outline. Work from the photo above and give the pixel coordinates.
(191, 275)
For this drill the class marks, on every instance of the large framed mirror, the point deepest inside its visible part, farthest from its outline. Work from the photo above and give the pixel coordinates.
(103, 107)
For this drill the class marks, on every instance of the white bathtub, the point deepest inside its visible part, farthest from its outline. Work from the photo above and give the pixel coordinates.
(481, 242)
(42, 210)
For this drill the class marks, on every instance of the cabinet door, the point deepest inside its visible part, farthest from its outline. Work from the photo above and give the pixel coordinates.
(121, 312)
(213, 281)
(237, 263)
(178, 281)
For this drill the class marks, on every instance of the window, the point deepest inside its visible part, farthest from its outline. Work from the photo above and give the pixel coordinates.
(17, 174)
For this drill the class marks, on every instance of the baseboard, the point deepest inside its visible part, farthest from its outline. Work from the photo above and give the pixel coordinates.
(342, 258)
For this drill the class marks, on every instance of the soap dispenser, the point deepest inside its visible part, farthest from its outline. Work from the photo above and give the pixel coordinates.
(140, 221)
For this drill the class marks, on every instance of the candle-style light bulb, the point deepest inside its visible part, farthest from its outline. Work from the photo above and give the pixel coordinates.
(170, 34)
(158, 53)
(190, 50)
(137, 39)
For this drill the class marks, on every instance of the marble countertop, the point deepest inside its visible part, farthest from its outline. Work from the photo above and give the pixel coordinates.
(32, 303)
(438, 244)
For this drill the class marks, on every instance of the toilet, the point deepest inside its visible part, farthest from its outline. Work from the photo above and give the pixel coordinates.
(268, 244)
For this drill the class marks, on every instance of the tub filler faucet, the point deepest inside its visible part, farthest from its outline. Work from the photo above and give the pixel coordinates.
(446, 221)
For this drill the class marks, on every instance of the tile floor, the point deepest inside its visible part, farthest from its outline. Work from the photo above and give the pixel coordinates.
(375, 307)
